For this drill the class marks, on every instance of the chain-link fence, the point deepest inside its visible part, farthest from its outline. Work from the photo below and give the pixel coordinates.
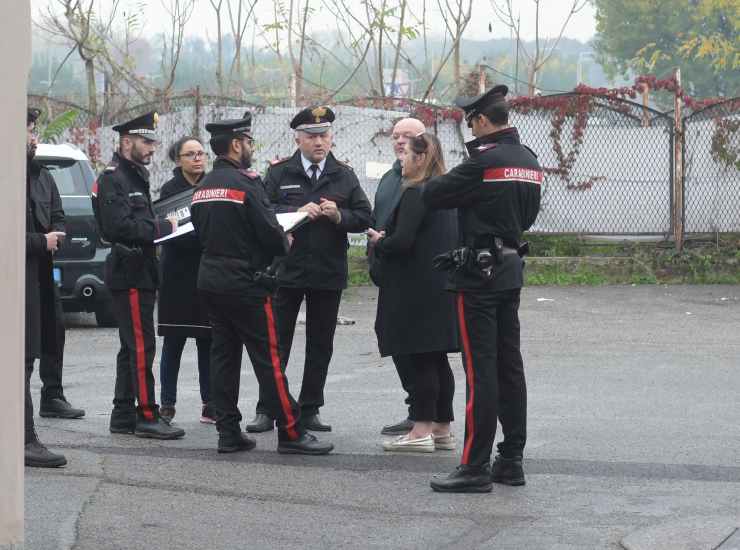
(608, 161)
(712, 169)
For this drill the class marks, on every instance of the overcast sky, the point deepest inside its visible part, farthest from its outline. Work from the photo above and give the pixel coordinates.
(553, 14)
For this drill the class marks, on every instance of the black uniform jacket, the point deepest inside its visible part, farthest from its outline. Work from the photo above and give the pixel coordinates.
(181, 311)
(497, 194)
(123, 209)
(415, 313)
(237, 229)
(318, 257)
(44, 213)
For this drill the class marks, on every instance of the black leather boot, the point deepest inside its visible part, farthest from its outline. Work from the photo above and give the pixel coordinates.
(59, 407)
(508, 471)
(123, 421)
(465, 479)
(313, 423)
(233, 442)
(38, 456)
(157, 429)
(306, 444)
(261, 423)
(400, 428)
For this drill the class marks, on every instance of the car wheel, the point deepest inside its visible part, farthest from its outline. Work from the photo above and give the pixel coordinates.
(104, 317)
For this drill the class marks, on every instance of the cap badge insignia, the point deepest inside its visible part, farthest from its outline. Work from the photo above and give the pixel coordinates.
(318, 112)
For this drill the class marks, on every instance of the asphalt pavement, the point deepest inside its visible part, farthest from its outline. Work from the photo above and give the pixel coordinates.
(634, 442)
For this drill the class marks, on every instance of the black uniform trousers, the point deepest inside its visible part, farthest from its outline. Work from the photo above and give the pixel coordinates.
(322, 307)
(29, 424)
(494, 374)
(50, 366)
(134, 311)
(405, 371)
(248, 321)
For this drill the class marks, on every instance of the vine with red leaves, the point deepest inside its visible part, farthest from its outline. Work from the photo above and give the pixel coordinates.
(723, 149)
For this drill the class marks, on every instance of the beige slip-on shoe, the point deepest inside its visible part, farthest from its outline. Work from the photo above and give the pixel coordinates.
(444, 442)
(404, 444)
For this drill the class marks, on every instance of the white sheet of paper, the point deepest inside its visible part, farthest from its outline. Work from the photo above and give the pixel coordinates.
(289, 220)
(182, 230)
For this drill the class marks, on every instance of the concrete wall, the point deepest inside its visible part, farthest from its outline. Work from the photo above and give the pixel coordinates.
(15, 41)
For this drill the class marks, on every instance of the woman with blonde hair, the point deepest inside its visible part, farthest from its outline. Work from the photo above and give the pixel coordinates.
(415, 321)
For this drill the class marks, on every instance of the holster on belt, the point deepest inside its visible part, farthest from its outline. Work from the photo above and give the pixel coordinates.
(130, 259)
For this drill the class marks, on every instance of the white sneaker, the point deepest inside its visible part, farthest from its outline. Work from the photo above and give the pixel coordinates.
(444, 442)
(403, 444)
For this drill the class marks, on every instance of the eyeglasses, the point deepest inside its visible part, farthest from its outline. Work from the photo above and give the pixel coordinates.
(194, 155)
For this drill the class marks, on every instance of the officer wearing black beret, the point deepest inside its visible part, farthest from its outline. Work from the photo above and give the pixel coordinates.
(241, 238)
(497, 194)
(315, 182)
(122, 205)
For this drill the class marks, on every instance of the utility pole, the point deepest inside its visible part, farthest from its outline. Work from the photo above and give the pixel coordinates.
(678, 172)
(15, 37)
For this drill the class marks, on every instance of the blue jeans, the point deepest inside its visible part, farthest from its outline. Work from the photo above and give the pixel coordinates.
(169, 367)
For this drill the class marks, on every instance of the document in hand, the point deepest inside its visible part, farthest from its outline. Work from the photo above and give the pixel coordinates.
(182, 230)
(290, 221)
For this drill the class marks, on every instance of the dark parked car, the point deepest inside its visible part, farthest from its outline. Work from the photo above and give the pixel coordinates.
(78, 266)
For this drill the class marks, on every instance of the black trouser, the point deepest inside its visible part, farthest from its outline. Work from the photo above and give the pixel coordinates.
(169, 368)
(322, 307)
(29, 425)
(50, 366)
(494, 373)
(433, 386)
(406, 375)
(134, 311)
(248, 321)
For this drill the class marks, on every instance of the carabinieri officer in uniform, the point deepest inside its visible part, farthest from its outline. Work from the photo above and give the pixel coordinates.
(313, 181)
(497, 194)
(123, 209)
(241, 237)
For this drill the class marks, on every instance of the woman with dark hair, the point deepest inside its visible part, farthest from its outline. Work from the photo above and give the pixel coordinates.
(415, 321)
(181, 312)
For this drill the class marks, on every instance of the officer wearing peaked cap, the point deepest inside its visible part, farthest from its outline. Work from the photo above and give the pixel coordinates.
(315, 182)
(122, 205)
(241, 238)
(497, 194)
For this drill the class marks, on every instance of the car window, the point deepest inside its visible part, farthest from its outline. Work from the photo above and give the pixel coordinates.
(68, 175)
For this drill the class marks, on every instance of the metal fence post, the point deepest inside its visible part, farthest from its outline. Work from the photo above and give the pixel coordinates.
(678, 166)
(197, 111)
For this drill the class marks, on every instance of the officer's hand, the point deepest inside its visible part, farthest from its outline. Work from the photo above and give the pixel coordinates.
(173, 221)
(330, 210)
(374, 236)
(52, 240)
(313, 209)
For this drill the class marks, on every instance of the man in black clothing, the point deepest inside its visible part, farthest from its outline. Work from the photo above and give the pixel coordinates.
(315, 182)
(497, 194)
(43, 237)
(49, 215)
(123, 210)
(386, 199)
(241, 237)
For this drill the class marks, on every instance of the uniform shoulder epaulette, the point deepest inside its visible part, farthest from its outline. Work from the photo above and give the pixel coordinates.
(530, 150)
(251, 174)
(273, 162)
(345, 164)
(486, 147)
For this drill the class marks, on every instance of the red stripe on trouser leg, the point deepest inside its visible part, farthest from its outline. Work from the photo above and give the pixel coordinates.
(278, 373)
(133, 298)
(468, 360)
